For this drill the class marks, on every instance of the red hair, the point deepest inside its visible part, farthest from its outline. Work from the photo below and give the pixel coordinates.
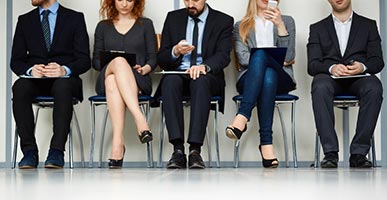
(108, 9)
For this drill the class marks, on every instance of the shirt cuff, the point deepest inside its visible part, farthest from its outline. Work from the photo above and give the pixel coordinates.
(364, 67)
(28, 73)
(68, 70)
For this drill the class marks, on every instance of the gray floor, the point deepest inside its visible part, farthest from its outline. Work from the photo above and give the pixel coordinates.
(243, 183)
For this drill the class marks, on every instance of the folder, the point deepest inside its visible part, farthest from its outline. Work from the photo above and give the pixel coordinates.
(107, 56)
(278, 53)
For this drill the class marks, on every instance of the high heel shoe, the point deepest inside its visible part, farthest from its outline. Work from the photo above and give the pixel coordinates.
(146, 136)
(235, 133)
(116, 164)
(268, 163)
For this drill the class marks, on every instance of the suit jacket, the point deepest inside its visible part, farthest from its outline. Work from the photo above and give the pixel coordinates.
(216, 44)
(70, 44)
(364, 45)
(243, 51)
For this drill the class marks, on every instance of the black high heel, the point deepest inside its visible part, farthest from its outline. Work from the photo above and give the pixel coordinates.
(235, 133)
(270, 162)
(116, 164)
(146, 136)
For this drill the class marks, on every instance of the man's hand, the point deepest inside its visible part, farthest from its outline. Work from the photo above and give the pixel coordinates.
(195, 71)
(54, 70)
(37, 71)
(355, 68)
(340, 70)
(182, 48)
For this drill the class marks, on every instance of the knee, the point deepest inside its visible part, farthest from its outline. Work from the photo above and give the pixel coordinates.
(21, 89)
(110, 84)
(322, 86)
(201, 83)
(372, 89)
(171, 81)
(270, 78)
(62, 87)
(118, 61)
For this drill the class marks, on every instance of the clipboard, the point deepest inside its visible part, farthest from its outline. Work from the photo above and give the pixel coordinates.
(354, 76)
(106, 56)
(278, 53)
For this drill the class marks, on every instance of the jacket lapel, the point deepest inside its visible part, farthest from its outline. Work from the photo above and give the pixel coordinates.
(332, 32)
(210, 24)
(352, 33)
(60, 20)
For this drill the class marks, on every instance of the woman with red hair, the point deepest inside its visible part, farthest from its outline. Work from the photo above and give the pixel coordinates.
(124, 28)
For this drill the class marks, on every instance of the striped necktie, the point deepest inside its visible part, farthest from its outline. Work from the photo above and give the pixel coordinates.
(46, 29)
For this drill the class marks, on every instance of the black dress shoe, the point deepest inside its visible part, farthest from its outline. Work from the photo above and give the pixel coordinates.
(195, 161)
(359, 161)
(178, 160)
(30, 160)
(330, 160)
(145, 136)
(235, 133)
(116, 164)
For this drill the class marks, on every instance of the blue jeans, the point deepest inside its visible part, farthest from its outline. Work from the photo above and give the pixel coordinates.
(259, 86)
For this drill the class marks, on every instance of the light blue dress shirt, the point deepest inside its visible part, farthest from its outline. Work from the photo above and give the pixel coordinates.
(52, 22)
(186, 62)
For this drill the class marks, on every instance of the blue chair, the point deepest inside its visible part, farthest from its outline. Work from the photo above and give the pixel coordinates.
(144, 103)
(344, 102)
(215, 102)
(48, 102)
(280, 99)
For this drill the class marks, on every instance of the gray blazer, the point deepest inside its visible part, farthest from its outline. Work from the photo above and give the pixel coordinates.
(243, 52)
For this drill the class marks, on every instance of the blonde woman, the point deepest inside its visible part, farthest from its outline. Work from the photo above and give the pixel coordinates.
(261, 78)
(124, 29)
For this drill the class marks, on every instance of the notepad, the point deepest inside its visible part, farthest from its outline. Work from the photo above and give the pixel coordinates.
(107, 56)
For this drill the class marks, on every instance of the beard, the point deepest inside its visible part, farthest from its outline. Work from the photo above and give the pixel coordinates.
(194, 12)
(38, 2)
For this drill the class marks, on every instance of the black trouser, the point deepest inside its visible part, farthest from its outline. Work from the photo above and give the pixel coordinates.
(173, 88)
(369, 91)
(24, 91)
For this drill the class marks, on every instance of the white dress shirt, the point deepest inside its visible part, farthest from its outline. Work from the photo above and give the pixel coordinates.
(264, 35)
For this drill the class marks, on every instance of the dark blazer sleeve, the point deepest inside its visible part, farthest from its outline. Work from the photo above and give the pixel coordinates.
(374, 62)
(220, 58)
(98, 45)
(81, 62)
(19, 59)
(164, 57)
(150, 41)
(316, 62)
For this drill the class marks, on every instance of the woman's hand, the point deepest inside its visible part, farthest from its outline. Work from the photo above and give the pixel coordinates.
(143, 70)
(274, 15)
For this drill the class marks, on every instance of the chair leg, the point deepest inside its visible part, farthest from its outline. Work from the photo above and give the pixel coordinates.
(373, 150)
(92, 143)
(103, 135)
(79, 138)
(345, 137)
(216, 135)
(208, 141)
(71, 147)
(146, 110)
(236, 153)
(161, 142)
(293, 132)
(14, 154)
(317, 151)
(284, 135)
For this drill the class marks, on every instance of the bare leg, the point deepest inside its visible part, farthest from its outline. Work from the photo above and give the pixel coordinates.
(239, 122)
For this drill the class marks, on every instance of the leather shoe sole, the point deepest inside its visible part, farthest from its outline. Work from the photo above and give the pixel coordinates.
(175, 166)
(27, 167)
(329, 164)
(52, 166)
(196, 166)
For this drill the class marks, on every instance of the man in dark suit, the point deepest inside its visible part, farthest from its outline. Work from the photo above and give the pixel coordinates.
(197, 40)
(345, 44)
(50, 44)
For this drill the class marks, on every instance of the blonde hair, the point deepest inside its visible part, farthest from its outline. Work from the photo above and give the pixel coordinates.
(248, 21)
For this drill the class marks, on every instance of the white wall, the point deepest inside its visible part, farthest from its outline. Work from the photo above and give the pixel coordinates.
(156, 10)
(3, 63)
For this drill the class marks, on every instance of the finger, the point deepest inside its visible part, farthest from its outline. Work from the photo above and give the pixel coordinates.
(192, 74)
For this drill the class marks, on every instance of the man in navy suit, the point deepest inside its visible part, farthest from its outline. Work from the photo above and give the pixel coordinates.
(345, 44)
(197, 40)
(50, 50)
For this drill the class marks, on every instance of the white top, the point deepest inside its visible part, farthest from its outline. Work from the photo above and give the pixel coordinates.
(342, 31)
(264, 32)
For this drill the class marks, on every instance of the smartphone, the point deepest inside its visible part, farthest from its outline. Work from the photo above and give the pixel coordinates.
(272, 4)
(184, 43)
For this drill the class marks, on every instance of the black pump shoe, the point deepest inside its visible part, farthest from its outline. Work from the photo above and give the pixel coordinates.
(146, 136)
(268, 163)
(235, 133)
(116, 164)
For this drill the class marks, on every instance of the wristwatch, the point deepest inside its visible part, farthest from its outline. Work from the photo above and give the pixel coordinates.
(208, 68)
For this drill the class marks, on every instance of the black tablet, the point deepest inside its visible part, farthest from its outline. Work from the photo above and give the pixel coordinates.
(107, 56)
(278, 53)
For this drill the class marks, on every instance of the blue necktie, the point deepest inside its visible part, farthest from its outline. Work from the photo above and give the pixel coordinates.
(195, 36)
(46, 29)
